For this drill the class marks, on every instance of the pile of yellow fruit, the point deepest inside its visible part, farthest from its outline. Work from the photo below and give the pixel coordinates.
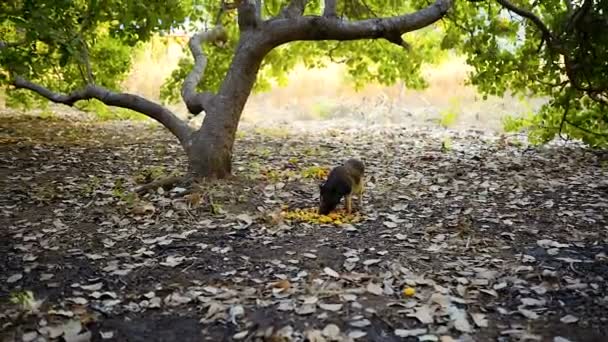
(311, 215)
(315, 172)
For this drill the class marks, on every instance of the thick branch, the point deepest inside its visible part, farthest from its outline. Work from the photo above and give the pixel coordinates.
(532, 17)
(322, 28)
(196, 102)
(137, 103)
(86, 60)
(295, 8)
(220, 13)
(579, 14)
(248, 18)
(569, 6)
(258, 10)
(330, 8)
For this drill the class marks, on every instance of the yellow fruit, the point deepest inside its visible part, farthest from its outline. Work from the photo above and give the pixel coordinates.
(408, 291)
(312, 215)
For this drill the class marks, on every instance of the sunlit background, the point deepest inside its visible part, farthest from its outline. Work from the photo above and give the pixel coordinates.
(325, 98)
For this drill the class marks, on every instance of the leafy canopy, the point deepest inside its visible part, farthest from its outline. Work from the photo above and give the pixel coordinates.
(567, 63)
(366, 60)
(64, 44)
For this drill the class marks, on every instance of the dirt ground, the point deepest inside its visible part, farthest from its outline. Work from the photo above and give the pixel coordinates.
(497, 240)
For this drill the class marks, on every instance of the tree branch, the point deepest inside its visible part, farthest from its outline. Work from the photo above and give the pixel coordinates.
(569, 6)
(330, 53)
(578, 14)
(532, 17)
(369, 9)
(196, 102)
(294, 9)
(86, 60)
(598, 98)
(247, 17)
(123, 100)
(588, 131)
(220, 12)
(330, 8)
(258, 10)
(281, 31)
(564, 118)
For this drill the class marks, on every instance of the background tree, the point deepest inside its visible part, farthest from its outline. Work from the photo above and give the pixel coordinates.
(552, 48)
(69, 51)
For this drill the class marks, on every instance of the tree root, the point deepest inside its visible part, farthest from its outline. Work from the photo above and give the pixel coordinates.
(166, 183)
(190, 182)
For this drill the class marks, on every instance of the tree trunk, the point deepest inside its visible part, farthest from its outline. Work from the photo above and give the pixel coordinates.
(210, 149)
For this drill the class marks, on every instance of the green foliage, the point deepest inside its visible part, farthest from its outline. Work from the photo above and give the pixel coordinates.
(448, 116)
(323, 109)
(47, 114)
(24, 100)
(217, 64)
(105, 113)
(516, 124)
(91, 186)
(62, 44)
(366, 60)
(582, 122)
(150, 174)
(511, 55)
(26, 301)
(122, 194)
(446, 144)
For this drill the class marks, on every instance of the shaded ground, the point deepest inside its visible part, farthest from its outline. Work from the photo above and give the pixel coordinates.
(500, 241)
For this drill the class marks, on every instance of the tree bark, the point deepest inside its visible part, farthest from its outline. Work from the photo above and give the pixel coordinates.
(307, 28)
(210, 150)
(330, 8)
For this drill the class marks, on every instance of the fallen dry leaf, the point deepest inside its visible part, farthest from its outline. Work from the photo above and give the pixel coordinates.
(410, 332)
(423, 314)
(374, 288)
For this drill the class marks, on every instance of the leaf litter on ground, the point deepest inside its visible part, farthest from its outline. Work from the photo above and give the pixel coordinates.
(486, 235)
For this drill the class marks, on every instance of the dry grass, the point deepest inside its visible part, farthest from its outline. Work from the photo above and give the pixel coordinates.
(152, 65)
(447, 101)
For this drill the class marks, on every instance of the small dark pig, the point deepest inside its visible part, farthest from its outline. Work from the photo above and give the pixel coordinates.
(343, 181)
